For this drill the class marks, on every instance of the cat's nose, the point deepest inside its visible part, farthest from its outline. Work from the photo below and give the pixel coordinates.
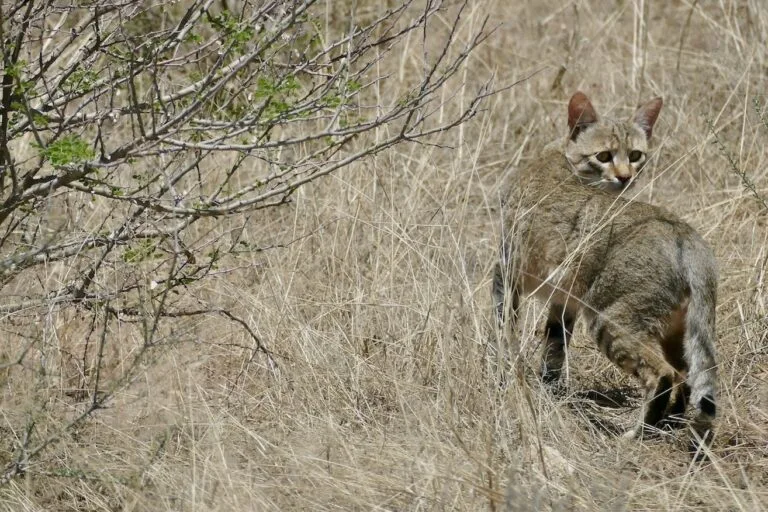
(623, 180)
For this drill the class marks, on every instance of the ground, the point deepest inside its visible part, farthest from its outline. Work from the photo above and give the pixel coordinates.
(378, 308)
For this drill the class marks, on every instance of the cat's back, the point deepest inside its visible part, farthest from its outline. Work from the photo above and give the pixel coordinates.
(547, 189)
(558, 213)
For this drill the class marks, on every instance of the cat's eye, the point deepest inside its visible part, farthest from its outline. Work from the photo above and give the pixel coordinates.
(604, 156)
(635, 155)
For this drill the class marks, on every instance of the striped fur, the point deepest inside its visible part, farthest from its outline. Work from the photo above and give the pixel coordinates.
(643, 280)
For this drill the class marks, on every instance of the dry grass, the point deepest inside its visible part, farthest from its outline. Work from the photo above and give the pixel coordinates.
(379, 311)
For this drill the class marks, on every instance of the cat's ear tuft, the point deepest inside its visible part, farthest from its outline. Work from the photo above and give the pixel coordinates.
(581, 113)
(646, 115)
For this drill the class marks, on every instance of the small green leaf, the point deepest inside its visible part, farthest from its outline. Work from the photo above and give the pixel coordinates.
(142, 251)
(80, 81)
(354, 86)
(332, 101)
(67, 150)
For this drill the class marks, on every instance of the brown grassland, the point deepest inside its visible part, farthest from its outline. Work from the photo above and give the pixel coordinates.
(377, 307)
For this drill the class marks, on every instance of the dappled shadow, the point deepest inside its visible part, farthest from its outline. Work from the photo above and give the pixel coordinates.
(601, 406)
(615, 398)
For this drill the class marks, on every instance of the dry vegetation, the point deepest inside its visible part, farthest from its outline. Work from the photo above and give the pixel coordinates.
(375, 305)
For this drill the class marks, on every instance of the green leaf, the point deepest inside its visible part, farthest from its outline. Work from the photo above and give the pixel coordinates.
(67, 150)
(142, 251)
(80, 81)
(354, 86)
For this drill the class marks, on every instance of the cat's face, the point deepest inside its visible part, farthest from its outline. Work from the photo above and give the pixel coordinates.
(608, 153)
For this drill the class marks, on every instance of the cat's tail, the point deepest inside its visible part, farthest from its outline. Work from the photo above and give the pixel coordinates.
(701, 275)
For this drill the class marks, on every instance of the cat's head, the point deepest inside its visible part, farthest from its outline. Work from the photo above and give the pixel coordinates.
(608, 153)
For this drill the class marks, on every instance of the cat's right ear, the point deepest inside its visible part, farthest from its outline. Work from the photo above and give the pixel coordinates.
(581, 114)
(646, 115)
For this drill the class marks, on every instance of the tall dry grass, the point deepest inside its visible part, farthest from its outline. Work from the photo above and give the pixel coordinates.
(378, 311)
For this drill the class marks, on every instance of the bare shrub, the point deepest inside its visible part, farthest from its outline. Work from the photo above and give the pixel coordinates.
(138, 141)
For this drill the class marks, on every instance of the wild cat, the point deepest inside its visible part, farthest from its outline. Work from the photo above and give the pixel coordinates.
(643, 280)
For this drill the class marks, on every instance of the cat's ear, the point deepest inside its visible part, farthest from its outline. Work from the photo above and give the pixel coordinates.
(646, 115)
(581, 114)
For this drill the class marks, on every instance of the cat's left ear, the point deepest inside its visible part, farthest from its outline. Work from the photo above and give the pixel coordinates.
(581, 114)
(646, 115)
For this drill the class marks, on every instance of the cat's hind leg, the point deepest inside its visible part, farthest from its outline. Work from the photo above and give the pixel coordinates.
(637, 353)
(557, 332)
